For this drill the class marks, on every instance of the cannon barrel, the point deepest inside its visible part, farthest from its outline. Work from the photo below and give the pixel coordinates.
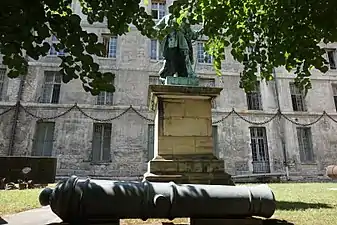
(331, 171)
(76, 200)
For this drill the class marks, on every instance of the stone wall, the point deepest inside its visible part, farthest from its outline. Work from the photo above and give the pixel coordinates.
(132, 68)
(73, 132)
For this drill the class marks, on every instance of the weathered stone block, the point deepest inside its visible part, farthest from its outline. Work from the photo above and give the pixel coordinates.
(173, 107)
(204, 145)
(175, 145)
(185, 107)
(186, 166)
(198, 108)
(163, 166)
(179, 126)
(167, 91)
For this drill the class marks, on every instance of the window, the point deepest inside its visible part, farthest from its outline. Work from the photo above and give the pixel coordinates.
(52, 50)
(259, 147)
(331, 53)
(305, 144)
(101, 142)
(158, 10)
(154, 80)
(297, 98)
(254, 101)
(43, 139)
(215, 138)
(2, 83)
(104, 97)
(155, 53)
(110, 43)
(51, 87)
(150, 141)
(202, 56)
(334, 92)
(208, 82)
(246, 55)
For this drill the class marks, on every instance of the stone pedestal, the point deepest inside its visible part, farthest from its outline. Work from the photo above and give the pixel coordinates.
(183, 146)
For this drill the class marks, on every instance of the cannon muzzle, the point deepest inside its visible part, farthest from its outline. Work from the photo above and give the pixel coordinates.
(75, 200)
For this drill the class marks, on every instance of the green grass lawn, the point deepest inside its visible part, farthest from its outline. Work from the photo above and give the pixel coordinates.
(18, 200)
(309, 203)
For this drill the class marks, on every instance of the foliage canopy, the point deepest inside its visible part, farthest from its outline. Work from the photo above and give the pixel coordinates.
(279, 33)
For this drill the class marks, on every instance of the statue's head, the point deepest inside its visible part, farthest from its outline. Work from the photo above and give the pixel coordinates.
(183, 24)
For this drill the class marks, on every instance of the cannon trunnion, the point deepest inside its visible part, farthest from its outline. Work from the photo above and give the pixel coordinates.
(76, 200)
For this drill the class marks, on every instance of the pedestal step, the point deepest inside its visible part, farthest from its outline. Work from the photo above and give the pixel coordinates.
(186, 165)
(192, 171)
(191, 178)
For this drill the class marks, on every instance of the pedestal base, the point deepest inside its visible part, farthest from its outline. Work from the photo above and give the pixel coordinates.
(186, 81)
(188, 171)
(199, 178)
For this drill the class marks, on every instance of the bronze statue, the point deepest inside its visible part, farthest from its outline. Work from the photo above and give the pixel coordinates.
(177, 50)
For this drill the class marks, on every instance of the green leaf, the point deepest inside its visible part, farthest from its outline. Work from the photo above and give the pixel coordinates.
(91, 48)
(92, 37)
(43, 31)
(95, 67)
(75, 19)
(13, 74)
(282, 34)
(87, 59)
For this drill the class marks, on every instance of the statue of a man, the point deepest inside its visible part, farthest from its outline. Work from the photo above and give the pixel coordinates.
(176, 49)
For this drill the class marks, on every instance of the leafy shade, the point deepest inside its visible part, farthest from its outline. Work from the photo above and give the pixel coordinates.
(279, 33)
(26, 25)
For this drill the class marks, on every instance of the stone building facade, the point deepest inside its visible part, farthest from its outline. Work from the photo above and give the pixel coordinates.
(86, 143)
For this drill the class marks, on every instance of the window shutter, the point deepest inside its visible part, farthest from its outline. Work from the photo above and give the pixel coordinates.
(215, 139)
(150, 141)
(107, 143)
(96, 142)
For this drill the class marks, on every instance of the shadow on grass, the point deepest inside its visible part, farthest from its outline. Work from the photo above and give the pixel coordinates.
(170, 223)
(276, 222)
(265, 222)
(257, 221)
(284, 205)
(2, 221)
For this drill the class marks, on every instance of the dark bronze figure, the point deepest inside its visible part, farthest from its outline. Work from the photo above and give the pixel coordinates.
(177, 50)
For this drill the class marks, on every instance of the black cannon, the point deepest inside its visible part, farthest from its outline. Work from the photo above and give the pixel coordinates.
(75, 200)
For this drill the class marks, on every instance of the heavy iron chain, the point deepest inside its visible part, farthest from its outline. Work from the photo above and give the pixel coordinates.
(83, 113)
(278, 113)
(139, 114)
(330, 117)
(307, 124)
(223, 118)
(8, 110)
(48, 118)
(103, 120)
(131, 108)
(258, 123)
